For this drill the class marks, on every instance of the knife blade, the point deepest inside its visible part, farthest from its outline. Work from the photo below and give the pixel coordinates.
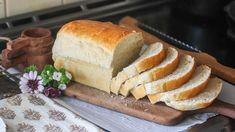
(168, 38)
(11, 73)
(228, 89)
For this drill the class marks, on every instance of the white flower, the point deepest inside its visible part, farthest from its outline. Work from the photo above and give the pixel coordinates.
(56, 76)
(31, 83)
(48, 72)
(62, 86)
(68, 75)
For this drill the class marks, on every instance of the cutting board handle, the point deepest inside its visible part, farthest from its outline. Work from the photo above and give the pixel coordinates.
(224, 72)
(220, 107)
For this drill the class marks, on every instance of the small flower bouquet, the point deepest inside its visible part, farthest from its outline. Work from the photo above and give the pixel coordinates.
(50, 81)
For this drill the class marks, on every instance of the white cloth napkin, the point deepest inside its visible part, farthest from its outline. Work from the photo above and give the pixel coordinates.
(118, 122)
(3, 126)
(37, 113)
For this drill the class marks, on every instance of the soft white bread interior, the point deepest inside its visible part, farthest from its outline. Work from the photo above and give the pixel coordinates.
(101, 45)
(86, 73)
(202, 100)
(164, 68)
(151, 57)
(169, 82)
(190, 89)
(177, 78)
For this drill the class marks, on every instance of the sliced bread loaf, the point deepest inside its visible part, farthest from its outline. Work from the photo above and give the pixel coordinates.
(151, 57)
(202, 100)
(170, 82)
(190, 89)
(105, 47)
(159, 71)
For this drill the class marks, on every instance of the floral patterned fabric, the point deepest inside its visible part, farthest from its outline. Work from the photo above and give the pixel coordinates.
(37, 113)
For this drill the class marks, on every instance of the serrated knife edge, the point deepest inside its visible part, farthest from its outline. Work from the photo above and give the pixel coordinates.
(169, 37)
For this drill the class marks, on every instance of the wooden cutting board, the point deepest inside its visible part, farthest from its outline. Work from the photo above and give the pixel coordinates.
(158, 113)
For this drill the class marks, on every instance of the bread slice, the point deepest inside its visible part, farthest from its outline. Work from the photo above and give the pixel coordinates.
(190, 89)
(159, 71)
(170, 82)
(202, 100)
(151, 57)
(102, 45)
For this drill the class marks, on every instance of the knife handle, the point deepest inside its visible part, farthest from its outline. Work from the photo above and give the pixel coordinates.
(224, 72)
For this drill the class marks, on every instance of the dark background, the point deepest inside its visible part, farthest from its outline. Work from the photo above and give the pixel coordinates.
(203, 24)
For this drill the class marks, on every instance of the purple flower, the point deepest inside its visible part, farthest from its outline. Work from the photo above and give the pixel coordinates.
(31, 83)
(52, 92)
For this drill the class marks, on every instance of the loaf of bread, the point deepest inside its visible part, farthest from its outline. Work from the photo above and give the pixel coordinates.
(94, 52)
(106, 56)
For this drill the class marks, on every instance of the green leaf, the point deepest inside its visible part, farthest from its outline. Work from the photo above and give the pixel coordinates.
(64, 79)
(62, 70)
(47, 74)
(30, 68)
(55, 84)
(49, 69)
(45, 81)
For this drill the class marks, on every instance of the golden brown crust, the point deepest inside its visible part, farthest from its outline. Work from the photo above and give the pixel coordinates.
(181, 96)
(190, 93)
(157, 74)
(201, 101)
(204, 104)
(104, 33)
(161, 72)
(151, 61)
(197, 106)
(170, 85)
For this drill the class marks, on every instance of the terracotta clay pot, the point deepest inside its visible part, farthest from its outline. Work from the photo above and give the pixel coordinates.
(32, 48)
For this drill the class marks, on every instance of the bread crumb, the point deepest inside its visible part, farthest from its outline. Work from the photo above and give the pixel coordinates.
(146, 110)
(122, 97)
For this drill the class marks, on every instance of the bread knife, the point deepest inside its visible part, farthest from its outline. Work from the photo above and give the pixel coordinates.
(228, 90)
(11, 73)
(168, 38)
